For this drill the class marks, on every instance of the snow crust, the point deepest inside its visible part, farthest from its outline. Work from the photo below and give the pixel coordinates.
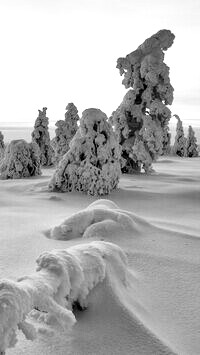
(63, 277)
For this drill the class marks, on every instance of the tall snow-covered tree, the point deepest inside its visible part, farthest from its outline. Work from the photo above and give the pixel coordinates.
(65, 131)
(40, 135)
(191, 144)
(2, 146)
(92, 164)
(21, 160)
(166, 143)
(141, 120)
(179, 147)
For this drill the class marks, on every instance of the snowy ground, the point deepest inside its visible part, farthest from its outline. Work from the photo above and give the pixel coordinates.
(159, 312)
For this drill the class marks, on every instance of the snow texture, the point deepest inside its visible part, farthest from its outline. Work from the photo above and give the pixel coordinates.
(98, 219)
(63, 277)
(141, 121)
(65, 131)
(41, 136)
(179, 147)
(92, 164)
(21, 160)
(191, 144)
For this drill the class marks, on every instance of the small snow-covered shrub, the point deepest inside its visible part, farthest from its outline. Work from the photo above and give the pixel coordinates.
(40, 135)
(141, 121)
(179, 147)
(21, 160)
(191, 144)
(92, 164)
(65, 131)
(63, 277)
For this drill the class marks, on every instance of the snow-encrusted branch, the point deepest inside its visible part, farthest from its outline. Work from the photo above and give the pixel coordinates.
(63, 277)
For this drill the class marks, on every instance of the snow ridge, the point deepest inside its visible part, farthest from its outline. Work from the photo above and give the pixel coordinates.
(63, 277)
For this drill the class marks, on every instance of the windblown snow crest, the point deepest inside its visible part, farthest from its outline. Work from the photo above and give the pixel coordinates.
(63, 277)
(100, 219)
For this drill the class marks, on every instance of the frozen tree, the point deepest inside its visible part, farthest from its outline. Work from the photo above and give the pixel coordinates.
(40, 135)
(179, 147)
(166, 143)
(2, 145)
(92, 164)
(65, 131)
(141, 121)
(21, 160)
(191, 144)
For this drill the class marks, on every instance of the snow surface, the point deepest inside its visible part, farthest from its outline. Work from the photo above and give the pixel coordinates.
(157, 310)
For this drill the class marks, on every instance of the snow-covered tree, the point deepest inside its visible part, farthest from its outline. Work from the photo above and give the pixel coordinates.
(41, 136)
(166, 143)
(21, 160)
(179, 147)
(2, 145)
(141, 121)
(65, 131)
(92, 164)
(191, 144)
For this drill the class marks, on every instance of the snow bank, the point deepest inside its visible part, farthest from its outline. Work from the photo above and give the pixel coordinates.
(98, 218)
(63, 277)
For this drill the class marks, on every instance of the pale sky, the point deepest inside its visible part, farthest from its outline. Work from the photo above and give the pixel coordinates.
(59, 51)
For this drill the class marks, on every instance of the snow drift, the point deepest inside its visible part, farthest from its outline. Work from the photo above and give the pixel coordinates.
(99, 219)
(63, 277)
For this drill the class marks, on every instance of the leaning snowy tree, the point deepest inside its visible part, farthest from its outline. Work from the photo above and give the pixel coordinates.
(92, 164)
(191, 144)
(21, 160)
(65, 131)
(179, 147)
(141, 121)
(40, 135)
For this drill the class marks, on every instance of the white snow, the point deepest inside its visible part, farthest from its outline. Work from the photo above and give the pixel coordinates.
(156, 311)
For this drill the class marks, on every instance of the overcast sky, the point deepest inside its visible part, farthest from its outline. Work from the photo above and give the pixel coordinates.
(59, 51)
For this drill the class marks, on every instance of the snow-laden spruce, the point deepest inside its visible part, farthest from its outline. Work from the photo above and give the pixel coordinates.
(100, 219)
(179, 147)
(141, 121)
(191, 144)
(21, 160)
(65, 131)
(40, 135)
(2, 145)
(63, 277)
(92, 164)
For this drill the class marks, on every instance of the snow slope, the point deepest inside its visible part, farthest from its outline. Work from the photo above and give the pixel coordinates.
(157, 312)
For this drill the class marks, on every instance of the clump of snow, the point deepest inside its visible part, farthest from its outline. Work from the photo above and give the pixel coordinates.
(21, 160)
(92, 164)
(65, 131)
(62, 278)
(40, 135)
(99, 218)
(191, 144)
(179, 147)
(141, 121)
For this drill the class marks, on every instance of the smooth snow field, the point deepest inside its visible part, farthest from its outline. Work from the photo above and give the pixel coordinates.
(156, 311)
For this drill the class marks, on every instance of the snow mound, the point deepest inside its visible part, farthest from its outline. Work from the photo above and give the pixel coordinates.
(63, 277)
(99, 219)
